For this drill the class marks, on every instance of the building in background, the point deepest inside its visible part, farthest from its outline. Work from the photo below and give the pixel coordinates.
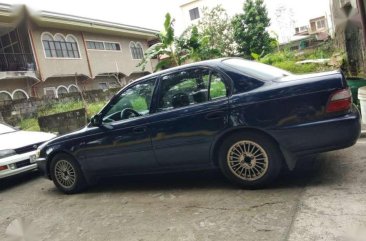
(311, 35)
(46, 53)
(286, 15)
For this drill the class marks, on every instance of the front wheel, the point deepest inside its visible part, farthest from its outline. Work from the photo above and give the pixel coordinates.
(250, 160)
(66, 174)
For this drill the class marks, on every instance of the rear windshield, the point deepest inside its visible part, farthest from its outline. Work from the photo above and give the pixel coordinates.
(256, 70)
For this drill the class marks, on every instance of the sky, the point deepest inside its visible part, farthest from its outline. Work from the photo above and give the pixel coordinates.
(150, 13)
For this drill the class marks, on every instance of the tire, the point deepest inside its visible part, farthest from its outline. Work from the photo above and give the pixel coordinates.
(250, 160)
(66, 174)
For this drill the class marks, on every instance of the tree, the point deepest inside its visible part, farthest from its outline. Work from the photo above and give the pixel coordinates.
(212, 37)
(169, 48)
(250, 31)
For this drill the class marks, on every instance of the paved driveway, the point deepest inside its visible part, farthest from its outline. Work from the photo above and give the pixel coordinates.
(323, 199)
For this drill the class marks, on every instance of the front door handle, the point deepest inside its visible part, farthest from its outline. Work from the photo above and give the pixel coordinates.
(139, 130)
(215, 115)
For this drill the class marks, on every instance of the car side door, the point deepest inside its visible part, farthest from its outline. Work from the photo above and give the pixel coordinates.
(122, 142)
(191, 109)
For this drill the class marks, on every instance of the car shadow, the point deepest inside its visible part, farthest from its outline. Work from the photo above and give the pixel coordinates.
(306, 171)
(20, 179)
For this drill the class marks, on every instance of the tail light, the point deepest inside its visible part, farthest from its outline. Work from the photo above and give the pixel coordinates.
(339, 100)
(2, 168)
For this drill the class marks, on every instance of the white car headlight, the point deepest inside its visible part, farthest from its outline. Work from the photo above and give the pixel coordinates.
(38, 153)
(6, 153)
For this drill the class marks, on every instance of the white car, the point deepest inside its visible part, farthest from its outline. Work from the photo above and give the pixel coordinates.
(16, 148)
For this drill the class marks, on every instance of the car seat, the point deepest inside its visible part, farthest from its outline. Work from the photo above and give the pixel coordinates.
(180, 100)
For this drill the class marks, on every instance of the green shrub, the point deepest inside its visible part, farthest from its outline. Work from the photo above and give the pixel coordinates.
(286, 60)
(94, 108)
(292, 67)
(29, 124)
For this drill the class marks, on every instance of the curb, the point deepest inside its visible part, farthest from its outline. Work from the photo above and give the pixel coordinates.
(363, 134)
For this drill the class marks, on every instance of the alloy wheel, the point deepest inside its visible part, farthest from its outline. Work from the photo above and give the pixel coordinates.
(65, 174)
(247, 160)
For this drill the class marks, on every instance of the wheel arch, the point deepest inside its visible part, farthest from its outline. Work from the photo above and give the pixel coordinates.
(289, 159)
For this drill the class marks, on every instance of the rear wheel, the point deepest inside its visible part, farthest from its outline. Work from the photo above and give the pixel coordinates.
(66, 174)
(250, 160)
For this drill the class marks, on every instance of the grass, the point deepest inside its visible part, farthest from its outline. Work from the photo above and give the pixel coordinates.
(94, 108)
(30, 124)
(59, 108)
(286, 59)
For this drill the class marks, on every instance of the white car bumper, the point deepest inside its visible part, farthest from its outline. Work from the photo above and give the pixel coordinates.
(16, 164)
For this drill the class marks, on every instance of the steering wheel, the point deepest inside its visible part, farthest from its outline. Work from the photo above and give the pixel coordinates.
(126, 113)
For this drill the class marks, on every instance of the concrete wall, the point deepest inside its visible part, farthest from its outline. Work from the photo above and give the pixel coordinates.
(14, 111)
(63, 123)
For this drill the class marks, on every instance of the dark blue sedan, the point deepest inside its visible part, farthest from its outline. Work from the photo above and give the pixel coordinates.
(246, 118)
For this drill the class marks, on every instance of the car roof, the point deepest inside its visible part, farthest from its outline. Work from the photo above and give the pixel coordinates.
(212, 62)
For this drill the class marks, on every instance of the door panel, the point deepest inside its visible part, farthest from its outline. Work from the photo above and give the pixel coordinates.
(192, 108)
(125, 147)
(184, 137)
(122, 142)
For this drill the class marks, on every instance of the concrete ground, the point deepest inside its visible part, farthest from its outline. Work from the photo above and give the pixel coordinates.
(323, 199)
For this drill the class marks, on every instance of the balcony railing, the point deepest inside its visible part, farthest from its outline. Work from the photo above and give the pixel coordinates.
(16, 62)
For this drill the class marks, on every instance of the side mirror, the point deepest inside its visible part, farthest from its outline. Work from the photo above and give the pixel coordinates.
(96, 120)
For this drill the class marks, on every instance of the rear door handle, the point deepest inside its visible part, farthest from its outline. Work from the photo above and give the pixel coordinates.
(139, 130)
(215, 115)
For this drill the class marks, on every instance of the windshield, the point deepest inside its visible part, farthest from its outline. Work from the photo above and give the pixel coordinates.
(256, 70)
(5, 129)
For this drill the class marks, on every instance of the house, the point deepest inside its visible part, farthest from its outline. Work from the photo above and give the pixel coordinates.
(349, 19)
(314, 33)
(46, 53)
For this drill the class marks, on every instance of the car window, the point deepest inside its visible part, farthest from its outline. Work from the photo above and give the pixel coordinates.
(217, 86)
(131, 103)
(256, 70)
(190, 87)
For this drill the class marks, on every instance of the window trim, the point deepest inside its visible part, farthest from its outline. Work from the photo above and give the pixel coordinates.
(45, 89)
(59, 87)
(65, 37)
(72, 85)
(8, 93)
(19, 90)
(321, 22)
(135, 43)
(103, 42)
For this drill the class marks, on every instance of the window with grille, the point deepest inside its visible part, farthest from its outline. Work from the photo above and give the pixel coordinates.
(59, 46)
(103, 45)
(136, 50)
(194, 13)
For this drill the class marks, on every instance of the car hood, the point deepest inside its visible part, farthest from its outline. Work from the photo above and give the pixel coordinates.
(19, 139)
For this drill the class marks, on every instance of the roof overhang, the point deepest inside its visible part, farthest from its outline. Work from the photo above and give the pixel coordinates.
(70, 22)
(10, 15)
